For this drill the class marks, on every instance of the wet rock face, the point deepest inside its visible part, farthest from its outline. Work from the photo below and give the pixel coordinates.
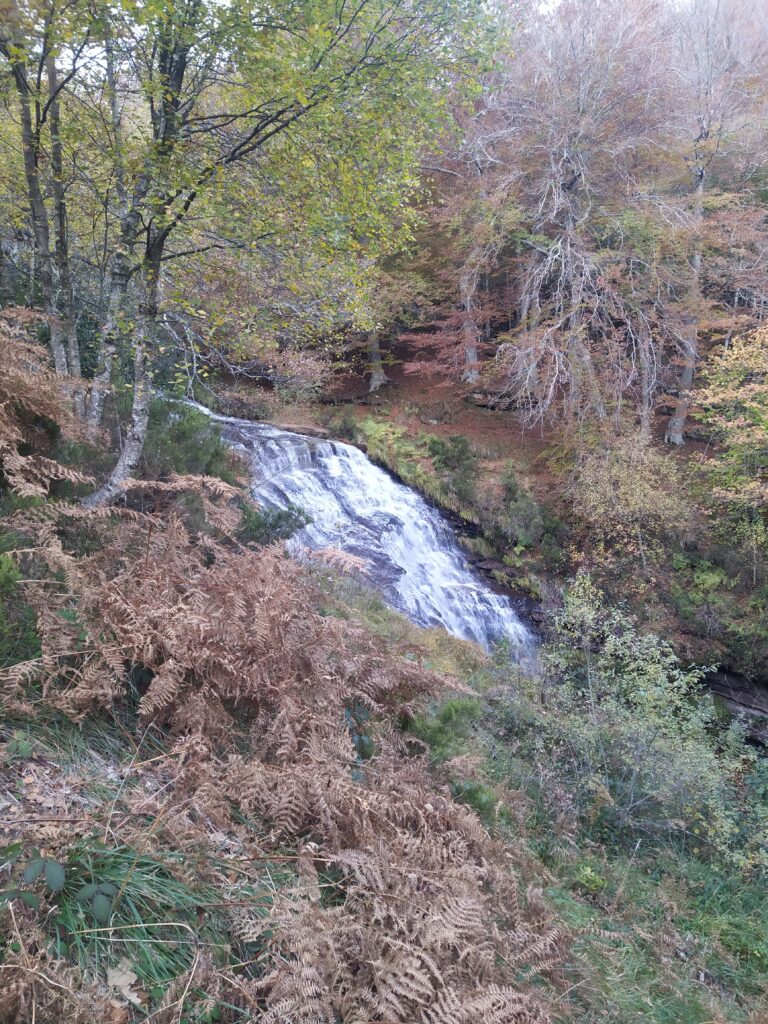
(745, 699)
(412, 553)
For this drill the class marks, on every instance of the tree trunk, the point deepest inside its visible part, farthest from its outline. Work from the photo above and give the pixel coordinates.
(584, 386)
(675, 433)
(676, 427)
(469, 329)
(108, 341)
(146, 329)
(39, 214)
(375, 365)
(487, 325)
(528, 321)
(119, 268)
(67, 300)
(593, 388)
(6, 275)
(647, 380)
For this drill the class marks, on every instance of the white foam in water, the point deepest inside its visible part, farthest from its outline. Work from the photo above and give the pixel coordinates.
(411, 552)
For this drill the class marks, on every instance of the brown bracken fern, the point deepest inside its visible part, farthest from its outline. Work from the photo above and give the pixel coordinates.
(285, 719)
(30, 393)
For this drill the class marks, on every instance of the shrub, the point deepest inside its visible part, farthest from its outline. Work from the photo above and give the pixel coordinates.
(455, 462)
(262, 526)
(184, 440)
(446, 730)
(520, 521)
(633, 736)
(734, 404)
(343, 425)
(630, 496)
(18, 637)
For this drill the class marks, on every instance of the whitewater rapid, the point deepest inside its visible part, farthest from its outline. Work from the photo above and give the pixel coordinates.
(411, 553)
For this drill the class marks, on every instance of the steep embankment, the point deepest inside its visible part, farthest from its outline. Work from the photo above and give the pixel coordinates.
(537, 507)
(233, 788)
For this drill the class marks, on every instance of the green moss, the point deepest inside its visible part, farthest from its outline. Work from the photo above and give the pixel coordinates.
(408, 458)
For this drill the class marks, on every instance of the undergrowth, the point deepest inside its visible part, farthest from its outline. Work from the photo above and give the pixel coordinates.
(660, 934)
(181, 439)
(221, 642)
(262, 526)
(235, 788)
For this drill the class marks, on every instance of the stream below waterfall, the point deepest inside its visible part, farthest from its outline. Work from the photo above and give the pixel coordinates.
(411, 553)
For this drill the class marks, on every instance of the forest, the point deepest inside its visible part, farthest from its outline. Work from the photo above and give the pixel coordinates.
(383, 511)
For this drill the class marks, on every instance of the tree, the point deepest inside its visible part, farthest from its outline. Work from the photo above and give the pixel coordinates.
(734, 403)
(552, 164)
(223, 88)
(586, 254)
(633, 734)
(719, 55)
(31, 41)
(630, 496)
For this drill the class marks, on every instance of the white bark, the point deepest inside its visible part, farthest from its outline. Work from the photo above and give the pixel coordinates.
(376, 367)
(133, 442)
(469, 328)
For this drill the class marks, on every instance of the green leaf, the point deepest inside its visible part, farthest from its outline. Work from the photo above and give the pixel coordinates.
(33, 870)
(102, 908)
(31, 899)
(55, 876)
(109, 888)
(87, 892)
(10, 853)
(18, 749)
(8, 894)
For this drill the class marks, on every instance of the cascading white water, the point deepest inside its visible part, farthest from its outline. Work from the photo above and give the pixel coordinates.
(411, 552)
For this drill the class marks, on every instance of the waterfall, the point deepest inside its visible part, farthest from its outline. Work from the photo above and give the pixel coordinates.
(411, 552)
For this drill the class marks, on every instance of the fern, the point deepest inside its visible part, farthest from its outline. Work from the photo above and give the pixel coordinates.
(31, 394)
(404, 909)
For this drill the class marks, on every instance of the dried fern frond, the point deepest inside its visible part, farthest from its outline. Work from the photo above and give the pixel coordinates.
(34, 986)
(344, 561)
(404, 909)
(179, 483)
(30, 392)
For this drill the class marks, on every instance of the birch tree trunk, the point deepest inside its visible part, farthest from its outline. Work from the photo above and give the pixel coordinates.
(469, 328)
(40, 226)
(375, 365)
(119, 270)
(144, 339)
(108, 341)
(67, 295)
